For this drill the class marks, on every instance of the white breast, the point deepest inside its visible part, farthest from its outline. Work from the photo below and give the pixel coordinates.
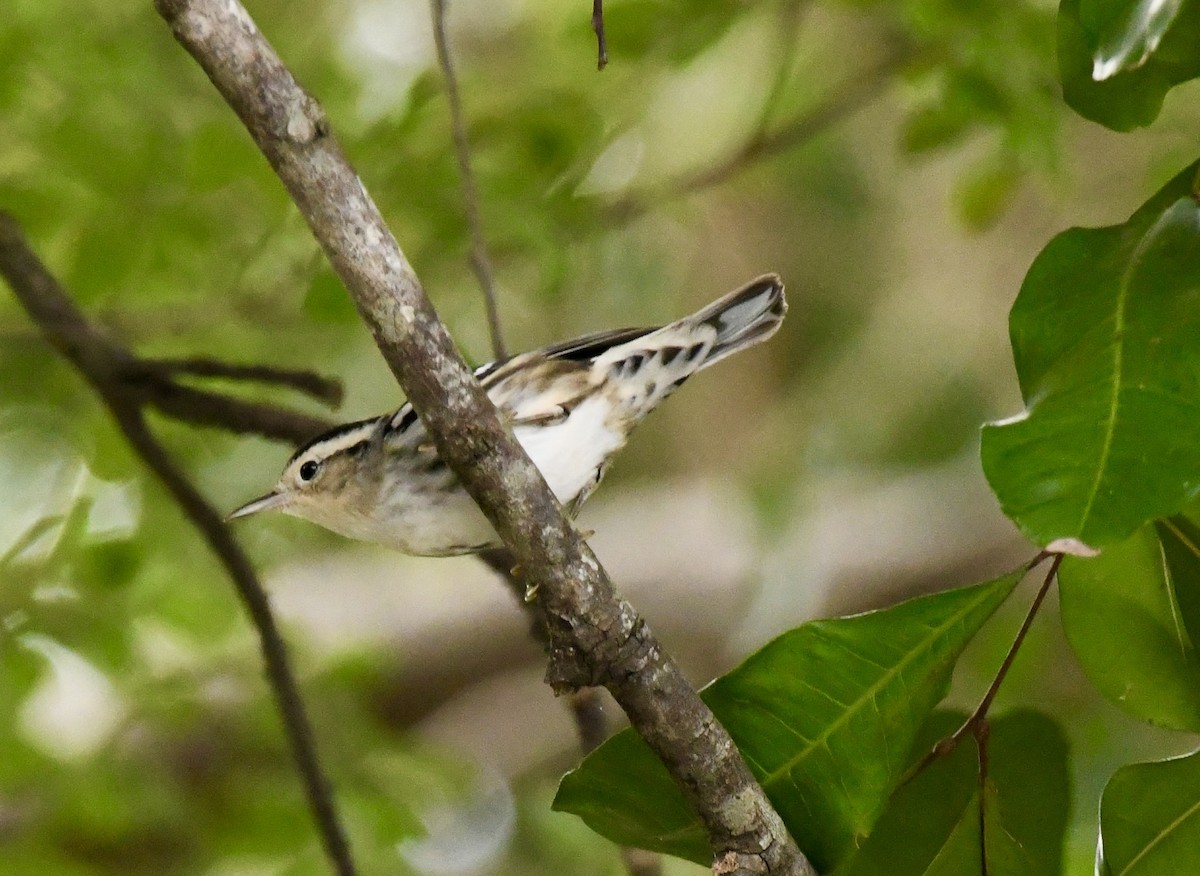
(568, 453)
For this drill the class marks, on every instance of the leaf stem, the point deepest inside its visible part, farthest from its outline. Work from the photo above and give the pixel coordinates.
(976, 724)
(982, 732)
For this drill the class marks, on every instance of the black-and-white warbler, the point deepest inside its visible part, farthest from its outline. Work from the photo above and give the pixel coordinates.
(571, 405)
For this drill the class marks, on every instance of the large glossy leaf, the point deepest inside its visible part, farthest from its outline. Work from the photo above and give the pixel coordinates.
(1128, 31)
(1106, 339)
(1123, 621)
(1119, 58)
(825, 715)
(1150, 819)
(931, 825)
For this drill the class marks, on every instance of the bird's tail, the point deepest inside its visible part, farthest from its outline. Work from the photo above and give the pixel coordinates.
(646, 369)
(742, 318)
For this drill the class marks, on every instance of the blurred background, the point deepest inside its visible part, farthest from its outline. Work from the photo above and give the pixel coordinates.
(899, 163)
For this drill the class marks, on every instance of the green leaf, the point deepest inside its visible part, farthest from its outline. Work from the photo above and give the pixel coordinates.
(1119, 58)
(1150, 819)
(985, 191)
(1180, 539)
(110, 564)
(1027, 761)
(1106, 339)
(825, 715)
(959, 856)
(1133, 32)
(922, 816)
(931, 825)
(1123, 622)
(678, 31)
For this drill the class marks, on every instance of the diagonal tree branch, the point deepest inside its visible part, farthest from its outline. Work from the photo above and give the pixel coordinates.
(595, 636)
(296, 724)
(104, 365)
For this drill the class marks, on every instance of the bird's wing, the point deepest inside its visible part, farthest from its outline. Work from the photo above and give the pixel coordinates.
(582, 349)
(542, 394)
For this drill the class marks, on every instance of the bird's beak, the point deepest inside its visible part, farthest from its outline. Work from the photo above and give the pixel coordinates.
(262, 503)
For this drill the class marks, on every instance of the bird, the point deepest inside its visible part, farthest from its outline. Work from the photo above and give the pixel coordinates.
(571, 406)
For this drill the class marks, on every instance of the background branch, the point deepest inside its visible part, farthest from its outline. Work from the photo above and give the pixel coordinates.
(598, 27)
(102, 362)
(203, 408)
(595, 636)
(151, 382)
(768, 141)
(317, 386)
(481, 263)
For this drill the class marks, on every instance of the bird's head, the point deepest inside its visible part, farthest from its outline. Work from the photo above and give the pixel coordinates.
(321, 481)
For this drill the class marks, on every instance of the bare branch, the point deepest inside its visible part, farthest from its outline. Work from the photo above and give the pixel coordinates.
(202, 408)
(595, 636)
(481, 264)
(598, 27)
(100, 358)
(317, 386)
(279, 674)
(100, 361)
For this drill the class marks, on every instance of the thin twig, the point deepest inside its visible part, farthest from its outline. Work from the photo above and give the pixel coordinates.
(601, 40)
(986, 703)
(95, 353)
(317, 386)
(596, 637)
(104, 366)
(481, 263)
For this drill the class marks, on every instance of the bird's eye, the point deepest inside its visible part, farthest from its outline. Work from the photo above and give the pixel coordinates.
(308, 471)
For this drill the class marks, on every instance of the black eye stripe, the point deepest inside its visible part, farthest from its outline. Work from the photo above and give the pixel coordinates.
(308, 471)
